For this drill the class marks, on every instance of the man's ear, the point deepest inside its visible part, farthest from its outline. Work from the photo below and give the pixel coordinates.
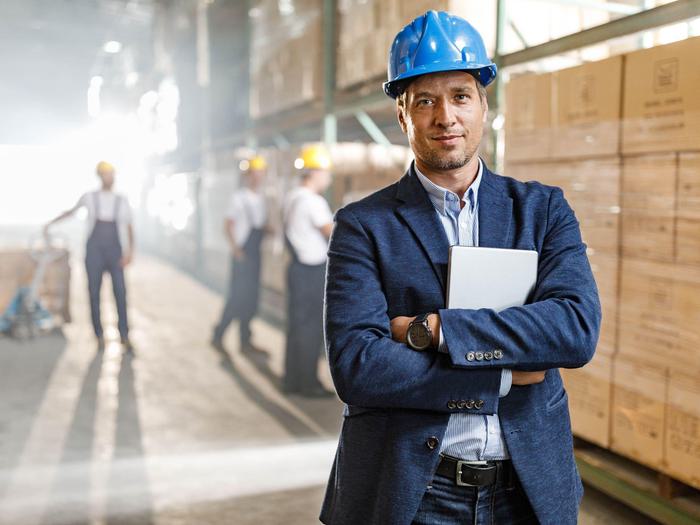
(400, 108)
(485, 103)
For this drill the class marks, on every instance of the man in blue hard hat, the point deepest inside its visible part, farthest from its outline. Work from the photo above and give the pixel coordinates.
(452, 415)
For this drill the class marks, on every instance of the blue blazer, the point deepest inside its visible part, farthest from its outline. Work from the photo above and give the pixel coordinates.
(388, 257)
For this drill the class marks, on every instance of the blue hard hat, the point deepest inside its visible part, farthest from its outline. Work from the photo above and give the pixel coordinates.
(434, 42)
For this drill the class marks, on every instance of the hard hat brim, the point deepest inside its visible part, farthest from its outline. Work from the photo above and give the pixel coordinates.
(485, 74)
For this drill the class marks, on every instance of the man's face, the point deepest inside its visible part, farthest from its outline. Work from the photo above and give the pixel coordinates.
(443, 117)
(256, 178)
(322, 179)
(107, 177)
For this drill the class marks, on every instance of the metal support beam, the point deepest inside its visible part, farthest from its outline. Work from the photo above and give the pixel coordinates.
(677, 11)
(496, 105)
(330, 129)
(610, 7)
(330, 123)
(372, 129)
(281, 141)
(517, 32)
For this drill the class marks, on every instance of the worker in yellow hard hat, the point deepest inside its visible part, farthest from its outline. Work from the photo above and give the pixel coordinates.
(244, 227)
(308, 223)
(109, 214)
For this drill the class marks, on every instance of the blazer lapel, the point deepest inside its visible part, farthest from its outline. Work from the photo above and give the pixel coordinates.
(495, 213)
(420, 216)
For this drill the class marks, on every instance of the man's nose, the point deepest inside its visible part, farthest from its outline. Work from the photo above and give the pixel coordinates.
(444, 114)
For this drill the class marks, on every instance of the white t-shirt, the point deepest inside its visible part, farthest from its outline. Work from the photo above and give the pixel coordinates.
(106, 205)
(247, 209)
(305, 212)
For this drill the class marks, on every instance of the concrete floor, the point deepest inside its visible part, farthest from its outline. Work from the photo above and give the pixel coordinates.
(178, 434)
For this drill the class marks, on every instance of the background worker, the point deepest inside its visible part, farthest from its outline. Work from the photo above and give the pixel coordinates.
(244, 227)
(108, 214)
(308, 223)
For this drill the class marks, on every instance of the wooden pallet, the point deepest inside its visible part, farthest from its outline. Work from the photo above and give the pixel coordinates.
(650, 492)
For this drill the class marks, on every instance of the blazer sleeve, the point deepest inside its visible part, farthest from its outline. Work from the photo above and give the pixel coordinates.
(369, 369)
(558, 329)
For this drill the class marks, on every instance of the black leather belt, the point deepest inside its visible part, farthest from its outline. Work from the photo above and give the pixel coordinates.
(471, 474)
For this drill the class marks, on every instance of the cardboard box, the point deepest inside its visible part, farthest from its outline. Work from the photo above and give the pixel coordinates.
(590, 392)
(661, 104)
(592, 189)
(587, 118)
(361, 169)
(366, 29)
(286, 65)
(683, 427)
(688, 222)
(659, 305)
(648, 206)
(528, 117)
(606, 269)
(639, 410)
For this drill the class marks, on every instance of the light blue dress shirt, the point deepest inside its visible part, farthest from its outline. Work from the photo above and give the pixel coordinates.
(470, 437)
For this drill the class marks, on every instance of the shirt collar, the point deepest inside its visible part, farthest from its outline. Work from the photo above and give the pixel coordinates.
(439, 195)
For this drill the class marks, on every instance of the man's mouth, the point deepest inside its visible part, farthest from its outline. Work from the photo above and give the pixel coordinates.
(447, 139)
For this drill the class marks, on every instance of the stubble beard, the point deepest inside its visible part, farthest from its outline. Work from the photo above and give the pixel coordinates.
(446, 163)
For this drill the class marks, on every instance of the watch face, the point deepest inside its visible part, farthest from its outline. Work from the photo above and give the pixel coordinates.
(419, 336)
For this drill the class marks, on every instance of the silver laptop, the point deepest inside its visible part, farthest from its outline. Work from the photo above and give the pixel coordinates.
(493, 278)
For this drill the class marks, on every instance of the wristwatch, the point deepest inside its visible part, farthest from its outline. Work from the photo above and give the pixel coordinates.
(419, 335)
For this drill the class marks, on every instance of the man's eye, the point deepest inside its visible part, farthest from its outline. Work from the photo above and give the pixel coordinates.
(424, 102)
(463, 97)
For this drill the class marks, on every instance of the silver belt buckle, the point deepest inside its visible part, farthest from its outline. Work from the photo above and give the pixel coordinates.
(458, 477)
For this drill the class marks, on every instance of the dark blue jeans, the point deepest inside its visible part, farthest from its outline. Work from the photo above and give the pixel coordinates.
(445, 503)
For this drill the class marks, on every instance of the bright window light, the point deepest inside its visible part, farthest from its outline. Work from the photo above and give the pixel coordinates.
(112, 47)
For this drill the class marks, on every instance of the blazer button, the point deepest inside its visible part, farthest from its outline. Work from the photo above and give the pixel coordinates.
(488, 356)
(461, 404)
(479, 404)
(451, 405)
(470, 404)
(479, 356)
(432, 442)
(470, 356)
(498, 353)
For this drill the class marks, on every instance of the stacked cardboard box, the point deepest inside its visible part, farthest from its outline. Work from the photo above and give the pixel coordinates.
(562, 130)
(366, 29)
(587, 118)
(286, 64)
(529, 123)
(637, 199)
(361, 169)
(660, 291)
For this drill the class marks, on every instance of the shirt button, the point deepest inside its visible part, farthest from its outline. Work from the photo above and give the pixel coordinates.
(488, 356)
(478, 404)
(451, 405)
(432, 442)
(470, 356)
(461, 404)
(470, 404)
(479, 356)
(497, 353)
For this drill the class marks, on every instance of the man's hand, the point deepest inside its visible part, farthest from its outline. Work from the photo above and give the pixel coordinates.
(399, 328)
(527, 378)
(238, 253)
(126, 259)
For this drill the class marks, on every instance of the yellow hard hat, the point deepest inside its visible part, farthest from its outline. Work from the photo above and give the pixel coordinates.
(257, 163)
(314, 157)
(104, 167)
